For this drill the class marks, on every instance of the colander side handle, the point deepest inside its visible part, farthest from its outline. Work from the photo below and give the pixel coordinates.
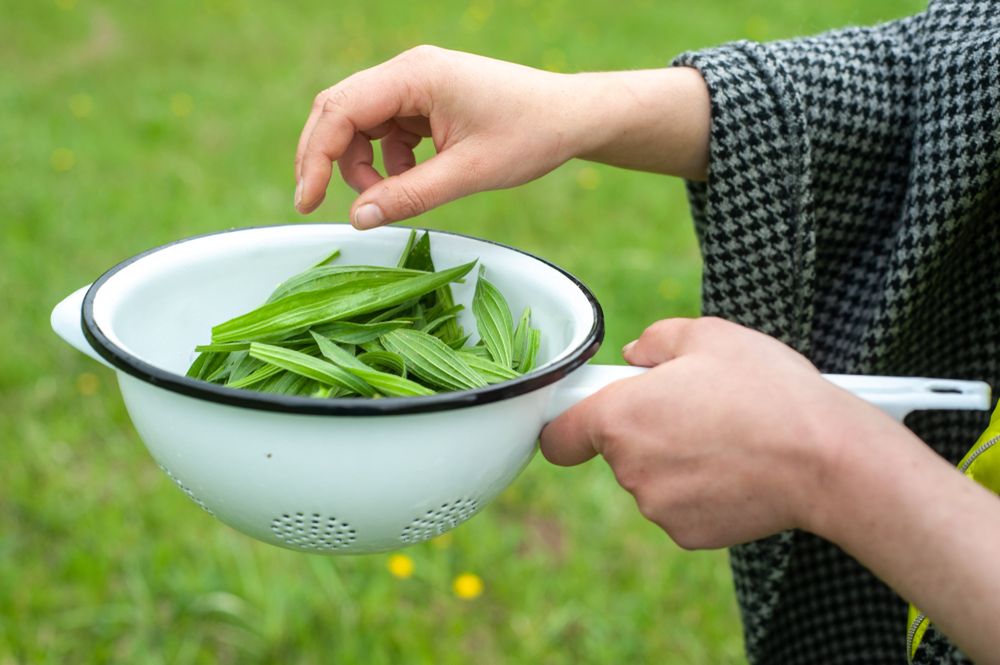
(900, 395)
(66, 322)
(896, 395)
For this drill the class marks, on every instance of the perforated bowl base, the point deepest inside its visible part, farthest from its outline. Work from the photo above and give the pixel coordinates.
(313, 531)
(438, 520)
(184, 488)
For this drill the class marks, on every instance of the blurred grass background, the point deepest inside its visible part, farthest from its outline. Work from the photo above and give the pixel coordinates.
(124, 125)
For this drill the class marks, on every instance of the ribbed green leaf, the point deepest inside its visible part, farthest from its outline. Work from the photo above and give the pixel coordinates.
(346, 332)
(405, 255)
(387, 384)
(313, 368)
(432, 360)
(302, 310)
(494, 321)
(263, 373)
(386, 361)
(522, 339)
(327, 277)
(534, 342)
(490, 371)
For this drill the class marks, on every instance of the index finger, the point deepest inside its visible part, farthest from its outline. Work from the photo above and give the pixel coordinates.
(358, 104)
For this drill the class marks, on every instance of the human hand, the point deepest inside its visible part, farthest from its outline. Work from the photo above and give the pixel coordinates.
(730, 437)
(494, 124)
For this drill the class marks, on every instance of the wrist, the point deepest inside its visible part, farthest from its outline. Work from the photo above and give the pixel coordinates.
(652, 120)
(862, 454)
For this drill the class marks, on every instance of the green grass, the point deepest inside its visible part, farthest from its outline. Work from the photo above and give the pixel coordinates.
(126, 125)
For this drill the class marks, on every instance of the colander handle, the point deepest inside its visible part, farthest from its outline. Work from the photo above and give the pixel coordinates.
(896, 395)
(66, 321)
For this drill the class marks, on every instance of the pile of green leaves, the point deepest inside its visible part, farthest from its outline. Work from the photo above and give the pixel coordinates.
(370, 331)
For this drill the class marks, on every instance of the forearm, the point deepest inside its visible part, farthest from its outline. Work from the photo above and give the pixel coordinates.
(651, 120)
(926, 530)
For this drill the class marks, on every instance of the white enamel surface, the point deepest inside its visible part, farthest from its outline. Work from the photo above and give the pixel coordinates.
(383, 481)
(376, 473)
(374, 477)
(161, 306)
(65, 320)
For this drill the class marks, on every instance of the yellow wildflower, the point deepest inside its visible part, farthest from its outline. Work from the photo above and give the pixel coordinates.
(468, 586)
(87, 383)
(401, 566)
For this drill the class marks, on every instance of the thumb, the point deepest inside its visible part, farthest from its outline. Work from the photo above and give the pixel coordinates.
(659, 343)
(440, 179)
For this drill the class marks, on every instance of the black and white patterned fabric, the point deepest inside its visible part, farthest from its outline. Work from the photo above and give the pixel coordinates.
(853, 211)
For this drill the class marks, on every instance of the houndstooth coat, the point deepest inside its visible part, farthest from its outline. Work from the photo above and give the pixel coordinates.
(852, 210)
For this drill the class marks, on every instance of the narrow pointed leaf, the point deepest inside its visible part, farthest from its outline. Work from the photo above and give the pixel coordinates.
(432, 360)
(346, 332)
(494, 321)
(490, 371)
(313, 368)
(310, 308)
(384, 382)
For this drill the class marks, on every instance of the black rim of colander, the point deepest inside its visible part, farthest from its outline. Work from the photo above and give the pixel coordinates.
(340, 406)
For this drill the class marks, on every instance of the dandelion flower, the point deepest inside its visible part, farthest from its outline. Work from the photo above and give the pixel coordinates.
(400, 566)
(468, 586)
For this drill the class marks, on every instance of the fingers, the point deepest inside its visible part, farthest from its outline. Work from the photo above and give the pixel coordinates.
(573, 438)
(362, 104)
(397, 151)
(440, 179)
(660, 342)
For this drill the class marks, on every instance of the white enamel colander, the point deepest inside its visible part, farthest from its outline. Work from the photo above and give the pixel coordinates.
(353, 475)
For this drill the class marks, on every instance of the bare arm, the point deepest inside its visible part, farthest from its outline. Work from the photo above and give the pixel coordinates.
(494, 125)
(789, 450)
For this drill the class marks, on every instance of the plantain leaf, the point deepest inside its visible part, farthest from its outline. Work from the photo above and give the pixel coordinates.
(346, 332)
(331, 257)
(432, 360)
(494, 321)
(535, 341)
(327, 277)
(490, 371)
(384, 360)
(384, 382)
(302, 310)
(405, 255)
(313, 368)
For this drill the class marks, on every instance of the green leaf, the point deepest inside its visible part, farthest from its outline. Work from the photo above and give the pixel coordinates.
(313, 368)
(346, 332)
(490, 371)
(387, 384)
(327, 277)
(405, 255)
(222, 348)
(432, 360)
(264, 373)
(302, 310)
(385, 361)
(535, 341)
(493, 320)
(329, 259)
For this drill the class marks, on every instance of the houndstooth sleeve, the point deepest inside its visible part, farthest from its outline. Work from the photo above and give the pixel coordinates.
(792, 122)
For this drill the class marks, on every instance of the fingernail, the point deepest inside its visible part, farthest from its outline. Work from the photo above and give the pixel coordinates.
(368, 216)
(298, 194)
(628, 347)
